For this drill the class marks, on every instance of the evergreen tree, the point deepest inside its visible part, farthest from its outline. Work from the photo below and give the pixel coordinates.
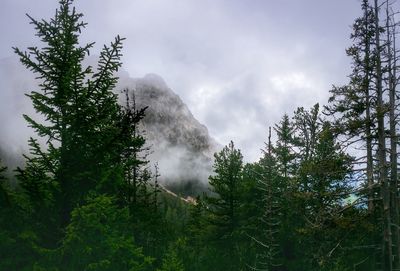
(99, 237)
(82, 130)
(224, 205)
(284, 149)
(353, 105)
(273, 187)
(134, 153)
(391, 58)
(315, 194)
(197, 236)
(364, 111)
(171, 262)
(307, 125)
(328, 174)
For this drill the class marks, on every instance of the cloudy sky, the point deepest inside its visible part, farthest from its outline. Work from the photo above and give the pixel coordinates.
(238, 64)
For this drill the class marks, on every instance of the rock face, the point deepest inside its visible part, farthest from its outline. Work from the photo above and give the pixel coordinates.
(180, 145)
(169, 119)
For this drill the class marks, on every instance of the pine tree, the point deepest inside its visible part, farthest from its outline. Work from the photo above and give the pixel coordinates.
(364, 112)
(224, 217)
(317, 191)
(307, 127)
(99, 237)
(197, 236)
(82, 129)
(354, 105)
(329, 174)
(273, 188)
(284, 149)
(134, 153)
(392, 82)
(171, 262)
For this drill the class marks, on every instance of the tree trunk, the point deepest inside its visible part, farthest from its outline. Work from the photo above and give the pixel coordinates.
(393, 137)
(368, 121)
(387, 242)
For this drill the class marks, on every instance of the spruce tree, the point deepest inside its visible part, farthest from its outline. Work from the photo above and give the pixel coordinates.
(134, 153)
(328, 174)
(224, 205)
(171, 262)
(366, 117)
(354, 105)
(272, 185)
(81, 130)
(284, 149)
(99, 237)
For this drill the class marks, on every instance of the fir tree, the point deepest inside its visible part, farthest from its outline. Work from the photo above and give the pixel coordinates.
(225, 205)
(284, 149)
(272, 188)
(99, 237)
(353, 105)
(82, 127)
(171, 262)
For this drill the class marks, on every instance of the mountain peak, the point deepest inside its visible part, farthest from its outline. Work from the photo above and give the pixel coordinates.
(154, 80)
(180, 144)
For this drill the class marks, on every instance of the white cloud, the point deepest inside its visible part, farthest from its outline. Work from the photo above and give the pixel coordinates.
(286, 82)
(239, 65)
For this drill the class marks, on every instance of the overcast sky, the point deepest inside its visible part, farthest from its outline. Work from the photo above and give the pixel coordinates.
(238, 65)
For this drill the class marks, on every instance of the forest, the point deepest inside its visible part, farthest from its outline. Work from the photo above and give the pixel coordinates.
(323, 196)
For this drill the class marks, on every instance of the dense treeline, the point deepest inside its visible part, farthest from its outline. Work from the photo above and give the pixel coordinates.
(323, 195)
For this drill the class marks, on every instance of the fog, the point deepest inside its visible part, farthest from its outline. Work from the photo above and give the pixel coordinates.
(180, 145)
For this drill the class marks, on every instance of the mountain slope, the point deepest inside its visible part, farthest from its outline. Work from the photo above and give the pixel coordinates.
(180, 145)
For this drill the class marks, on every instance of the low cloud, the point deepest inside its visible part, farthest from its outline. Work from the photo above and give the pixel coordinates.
(180, 145)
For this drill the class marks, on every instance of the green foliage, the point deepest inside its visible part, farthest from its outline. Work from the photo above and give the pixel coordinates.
(88, 144)
(17, 239)
(226, 185)
(271, 202)
(86, 199)
(100, 237)
(82, 116)
(224, 208)
(171, 261)
(284, 146)
(352, 104)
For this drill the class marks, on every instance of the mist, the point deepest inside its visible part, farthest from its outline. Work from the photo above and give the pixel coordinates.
(179, 144)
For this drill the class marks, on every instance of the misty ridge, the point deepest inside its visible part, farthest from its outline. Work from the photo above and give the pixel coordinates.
(178, 143)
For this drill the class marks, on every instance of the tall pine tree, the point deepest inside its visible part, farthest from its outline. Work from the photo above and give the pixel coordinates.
(224, 204)
(84, 133)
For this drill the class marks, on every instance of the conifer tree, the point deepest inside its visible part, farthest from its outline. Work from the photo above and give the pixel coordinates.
(329, 173)
(364, 114)
(392, 82)
(224, 217)
(317, 190)
(354, 105)
(81, 130)
(134, 152)
(99, 237)
(271, 182)
(284, 149)
(171, 262)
